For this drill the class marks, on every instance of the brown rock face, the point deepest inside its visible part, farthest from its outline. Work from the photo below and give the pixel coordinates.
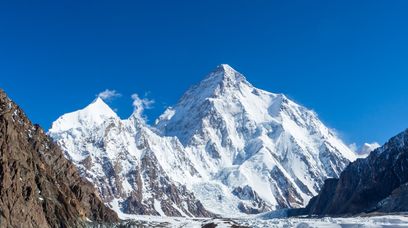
(38, 186)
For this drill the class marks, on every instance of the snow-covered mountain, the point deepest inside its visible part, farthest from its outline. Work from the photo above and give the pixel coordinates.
(226, 147)
(127, 162)
(255, 150)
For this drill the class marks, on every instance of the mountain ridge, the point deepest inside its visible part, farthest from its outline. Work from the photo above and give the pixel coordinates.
(377, 183)
(252, 149)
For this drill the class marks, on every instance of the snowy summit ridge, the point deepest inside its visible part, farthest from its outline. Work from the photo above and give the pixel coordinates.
(257, 149)
(225, 73)
(95, 113)
(226, 146)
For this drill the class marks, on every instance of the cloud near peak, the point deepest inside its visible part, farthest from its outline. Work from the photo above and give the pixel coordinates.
(364, 149)
(140, 104)
(109, 95)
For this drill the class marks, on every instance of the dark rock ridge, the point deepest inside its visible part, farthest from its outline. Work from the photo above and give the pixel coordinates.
(39, 187)
(377, 183)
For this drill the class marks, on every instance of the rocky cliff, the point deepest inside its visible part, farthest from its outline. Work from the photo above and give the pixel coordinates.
(377, 183)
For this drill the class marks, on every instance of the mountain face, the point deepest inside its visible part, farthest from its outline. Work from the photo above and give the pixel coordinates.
(226, 147)
(128, 163)
(256, 150)
(39, 186)
(378, 183)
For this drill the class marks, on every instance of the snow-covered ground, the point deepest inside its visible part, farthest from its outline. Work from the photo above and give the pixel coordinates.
(374, 221)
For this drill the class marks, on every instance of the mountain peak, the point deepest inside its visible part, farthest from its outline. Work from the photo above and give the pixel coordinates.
(223, 78)
(98, 100)
(99, 106)
(98, 109)
(225, 67)
(95, 113)
(225, 73)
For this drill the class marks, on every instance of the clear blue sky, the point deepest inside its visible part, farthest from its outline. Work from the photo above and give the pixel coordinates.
(347, 60)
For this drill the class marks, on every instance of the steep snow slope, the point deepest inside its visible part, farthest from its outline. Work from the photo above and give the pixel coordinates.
(255, 150)
(127, 162)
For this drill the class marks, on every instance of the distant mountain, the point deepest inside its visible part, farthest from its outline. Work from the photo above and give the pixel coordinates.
(39, 186)
(378, 183)
(225, 147)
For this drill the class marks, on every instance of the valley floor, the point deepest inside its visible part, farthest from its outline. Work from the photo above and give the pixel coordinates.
(373, 221)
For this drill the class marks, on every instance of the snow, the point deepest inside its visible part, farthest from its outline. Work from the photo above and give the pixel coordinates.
(157, 207)
(222, 134)
(373, 221)
(95, 113)
(127, 188)
(217, 198)
(180, 211)
(114, 205)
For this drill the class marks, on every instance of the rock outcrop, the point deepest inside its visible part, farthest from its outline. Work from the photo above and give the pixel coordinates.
(377, 183)
(39, 187)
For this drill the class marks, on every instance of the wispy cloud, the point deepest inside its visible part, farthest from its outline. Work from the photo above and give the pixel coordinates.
(140, 104)
(109, 95)
(353, 147)
(364, 149)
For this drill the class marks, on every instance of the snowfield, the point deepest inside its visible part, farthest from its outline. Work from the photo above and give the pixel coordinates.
(374, 221)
